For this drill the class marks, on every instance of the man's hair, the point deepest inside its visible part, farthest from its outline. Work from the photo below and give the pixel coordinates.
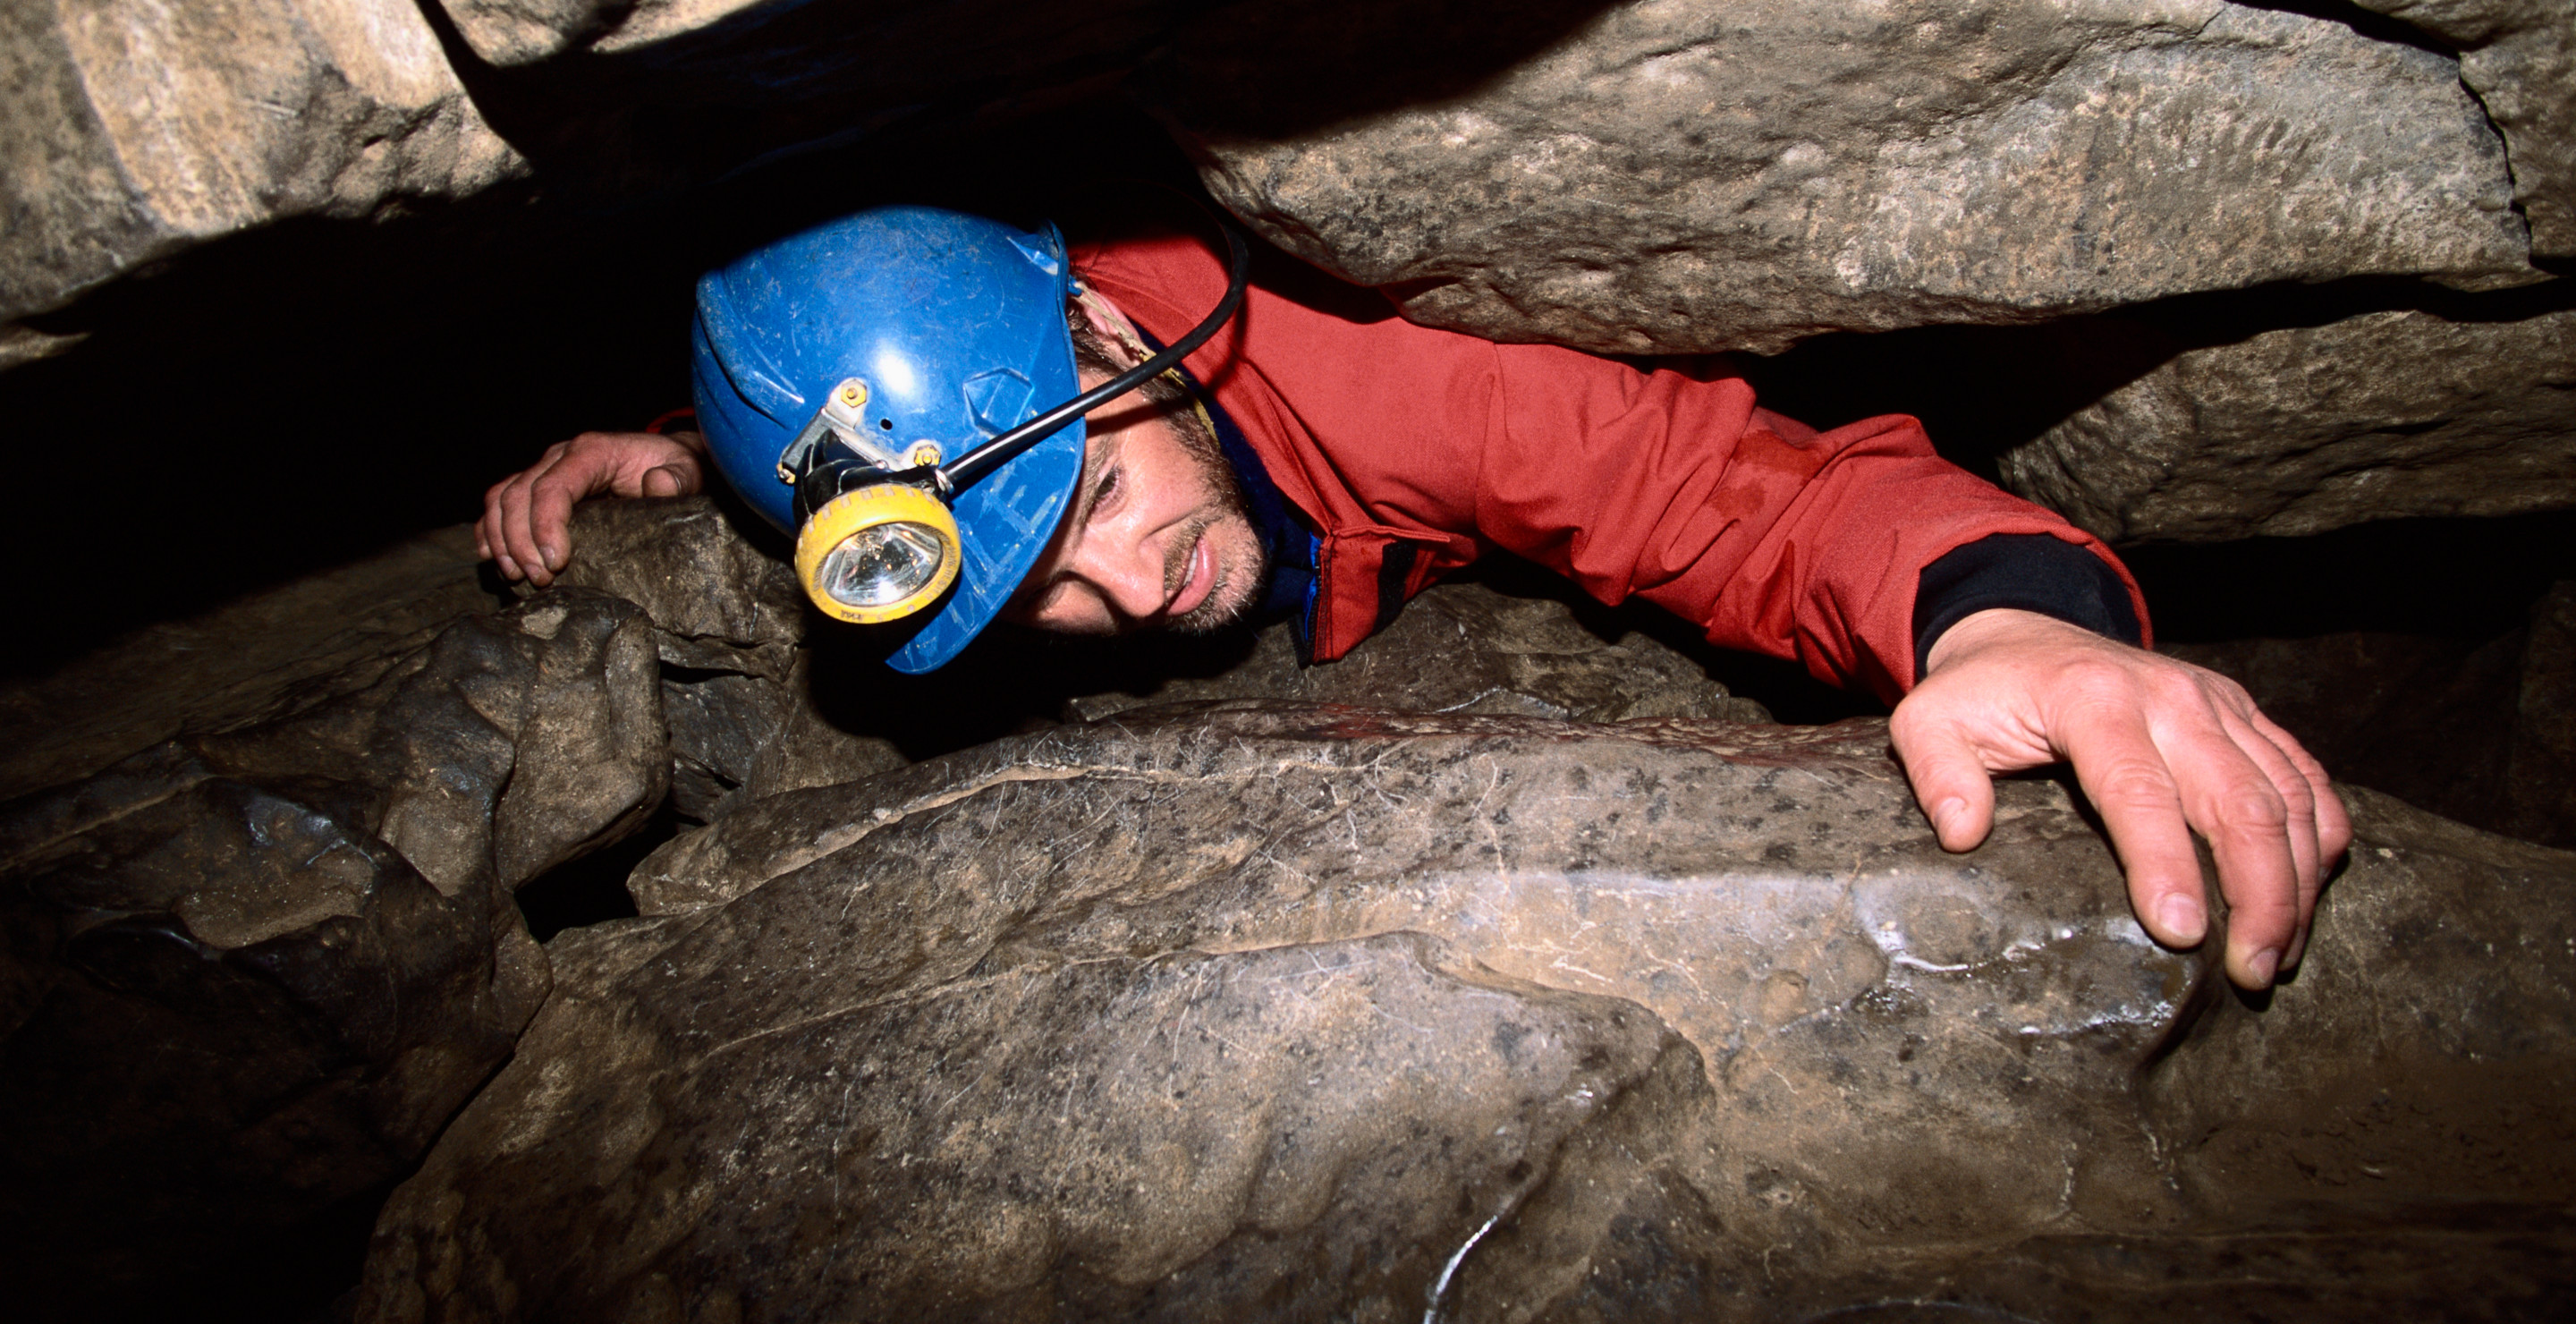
(1164, 390)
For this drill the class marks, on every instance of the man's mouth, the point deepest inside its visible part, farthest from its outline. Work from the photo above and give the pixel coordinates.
(1197, 580)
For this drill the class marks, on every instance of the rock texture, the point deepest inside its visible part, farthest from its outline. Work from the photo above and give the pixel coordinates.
(1467, 648)
(132, 132)
(2382, 416)
(2519, 57)
(1322, 1012)
(248, 974)
(1675, 178)
(255, 659)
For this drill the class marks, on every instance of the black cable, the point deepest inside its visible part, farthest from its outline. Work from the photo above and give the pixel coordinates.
(973, 465)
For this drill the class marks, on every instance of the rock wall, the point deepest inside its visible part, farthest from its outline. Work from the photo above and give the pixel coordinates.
(248, 974)
(1290, 1012)
(134, 132)
(1677, 178)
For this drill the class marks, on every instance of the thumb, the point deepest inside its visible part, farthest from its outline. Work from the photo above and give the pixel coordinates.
(667, 481)
(1950, 782)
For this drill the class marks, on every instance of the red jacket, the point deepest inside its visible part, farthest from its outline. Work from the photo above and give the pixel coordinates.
(1668, 484)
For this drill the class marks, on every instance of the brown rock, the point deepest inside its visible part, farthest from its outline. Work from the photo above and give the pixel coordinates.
(1468, 648)
(132, 132)
(1280, 1011)
(263, 657)
(1671, 178)
(2519, 57)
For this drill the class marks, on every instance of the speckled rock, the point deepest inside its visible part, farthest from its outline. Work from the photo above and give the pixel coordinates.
(2382, 416)
(249, 974)
(1673, 177)
(1320, 1012)
(729, 623)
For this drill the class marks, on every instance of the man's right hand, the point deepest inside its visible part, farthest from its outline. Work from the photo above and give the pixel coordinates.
(525, 515)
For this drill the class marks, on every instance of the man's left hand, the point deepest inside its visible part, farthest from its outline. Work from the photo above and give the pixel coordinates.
(2163, 748)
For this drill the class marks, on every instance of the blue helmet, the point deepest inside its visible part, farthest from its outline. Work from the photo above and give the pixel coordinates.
(837, 370)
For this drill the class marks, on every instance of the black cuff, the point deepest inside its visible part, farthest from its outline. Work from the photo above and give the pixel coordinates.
(2030, 571)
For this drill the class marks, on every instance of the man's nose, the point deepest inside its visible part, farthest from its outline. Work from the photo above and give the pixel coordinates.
(1129, 578)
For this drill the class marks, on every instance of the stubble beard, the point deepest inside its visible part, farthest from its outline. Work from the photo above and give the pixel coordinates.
(1223, 508)
(1228, 518)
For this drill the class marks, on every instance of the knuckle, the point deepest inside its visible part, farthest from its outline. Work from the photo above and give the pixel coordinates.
(2254, 809)
(2134, 787)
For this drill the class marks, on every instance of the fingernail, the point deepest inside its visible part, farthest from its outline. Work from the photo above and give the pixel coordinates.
(1945, 816)
(509, 568)
(2264, 963)
(553, 558)
(2181, 916)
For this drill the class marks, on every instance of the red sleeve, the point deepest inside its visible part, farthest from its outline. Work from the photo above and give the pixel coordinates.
(1775, 538)
(1668, 484)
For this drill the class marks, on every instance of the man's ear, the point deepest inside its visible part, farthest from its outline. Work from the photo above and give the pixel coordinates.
(1116, 332)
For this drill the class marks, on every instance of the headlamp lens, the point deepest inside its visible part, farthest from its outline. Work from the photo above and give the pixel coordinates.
(878, 552)
(882, 565)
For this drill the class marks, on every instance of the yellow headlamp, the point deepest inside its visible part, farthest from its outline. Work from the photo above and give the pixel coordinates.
(878, 553)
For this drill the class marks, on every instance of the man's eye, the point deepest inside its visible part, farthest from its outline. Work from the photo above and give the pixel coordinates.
(1102, 495)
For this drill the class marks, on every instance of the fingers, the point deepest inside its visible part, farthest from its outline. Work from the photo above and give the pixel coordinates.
(527, 517)
(2116, 760)
(511, 510)
(1949, 778)
(2163, 749)
(666, 482)
(2327, 829)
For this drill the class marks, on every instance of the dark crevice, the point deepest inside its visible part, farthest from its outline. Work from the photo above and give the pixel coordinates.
(592, 889)
(2364, 22)
(1983, 390)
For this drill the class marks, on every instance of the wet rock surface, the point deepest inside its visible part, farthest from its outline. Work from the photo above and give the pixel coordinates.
(250, 972)
(1306, 1011)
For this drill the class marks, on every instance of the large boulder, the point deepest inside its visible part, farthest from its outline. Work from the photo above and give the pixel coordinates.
(1670, 177)
(132, 132)
(1321, 1012)
(2386, 415)
(248, 974)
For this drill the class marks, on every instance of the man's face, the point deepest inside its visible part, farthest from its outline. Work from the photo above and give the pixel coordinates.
(1155, 538)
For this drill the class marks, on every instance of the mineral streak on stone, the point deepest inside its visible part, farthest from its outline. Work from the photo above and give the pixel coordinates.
(1675, 177)
(132, 131)
(1304, 1012)
(2296, 431)
(249, 973)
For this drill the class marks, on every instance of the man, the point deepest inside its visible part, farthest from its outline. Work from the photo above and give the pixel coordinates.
(1330, 459)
